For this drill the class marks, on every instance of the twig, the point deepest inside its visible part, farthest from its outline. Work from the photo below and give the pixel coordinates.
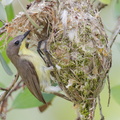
(100, 108)
(2, 30)
(3, 89)
(16, 88)
(5, 95)
(109, 90)
(3, 107)
(9, 89)
(61, 95)
(94, 106)
(2, 21)
(115, 34)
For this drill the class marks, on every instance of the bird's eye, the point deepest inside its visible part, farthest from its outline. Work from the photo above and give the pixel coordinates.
(16, 43)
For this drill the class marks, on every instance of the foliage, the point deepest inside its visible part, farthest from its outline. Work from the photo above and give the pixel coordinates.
(115, 93)
(21, 101)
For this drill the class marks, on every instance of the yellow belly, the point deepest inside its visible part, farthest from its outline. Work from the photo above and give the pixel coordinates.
(39, 64)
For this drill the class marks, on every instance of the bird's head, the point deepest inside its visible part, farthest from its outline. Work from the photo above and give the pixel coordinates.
(14, 45)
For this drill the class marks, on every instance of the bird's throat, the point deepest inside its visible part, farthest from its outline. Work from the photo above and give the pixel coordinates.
(23, 49)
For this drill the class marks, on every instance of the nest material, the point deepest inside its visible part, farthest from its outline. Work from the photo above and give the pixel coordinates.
(77, 42)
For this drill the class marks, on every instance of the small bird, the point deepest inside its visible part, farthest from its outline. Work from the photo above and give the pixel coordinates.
(31, 67)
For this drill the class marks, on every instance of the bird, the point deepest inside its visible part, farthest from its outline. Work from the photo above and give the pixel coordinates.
(31, 67)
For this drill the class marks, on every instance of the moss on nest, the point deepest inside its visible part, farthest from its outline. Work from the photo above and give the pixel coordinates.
(77, 43)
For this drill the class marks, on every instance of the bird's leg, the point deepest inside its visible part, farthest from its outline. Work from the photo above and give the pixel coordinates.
(51, 89)
(39, 50)
(47, 53)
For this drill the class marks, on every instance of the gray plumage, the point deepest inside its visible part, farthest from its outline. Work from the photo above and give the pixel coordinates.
(25, 68)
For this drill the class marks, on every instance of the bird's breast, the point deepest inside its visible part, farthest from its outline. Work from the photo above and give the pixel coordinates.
(40, 67)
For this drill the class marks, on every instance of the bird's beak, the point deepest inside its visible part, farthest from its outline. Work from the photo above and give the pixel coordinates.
(25, 34)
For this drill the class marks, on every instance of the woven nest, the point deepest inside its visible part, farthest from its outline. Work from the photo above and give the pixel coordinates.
(77, 43)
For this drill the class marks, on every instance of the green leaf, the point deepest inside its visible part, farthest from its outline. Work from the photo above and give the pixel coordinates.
(6, 2)
(3, 15)
(25, 99)
(117, 8)
(10, 12)
(1, 24)
(3, 52)
(116, 93)
(2, 85)
(105, 1)
(5, 66)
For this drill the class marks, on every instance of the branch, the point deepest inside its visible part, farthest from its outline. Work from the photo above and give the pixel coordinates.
(3, 89)
(3, 96)
(61, 95)
(100, 109)
(6, 95)
(115, 33)
(3, 30)
(109, 90)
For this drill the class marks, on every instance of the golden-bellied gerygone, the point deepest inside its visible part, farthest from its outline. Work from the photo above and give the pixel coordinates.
(31, 67)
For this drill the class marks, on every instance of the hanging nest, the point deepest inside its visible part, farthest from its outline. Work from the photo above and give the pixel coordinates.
(77, 42)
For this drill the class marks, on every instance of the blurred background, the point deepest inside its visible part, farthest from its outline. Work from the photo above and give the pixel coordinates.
(60, 108)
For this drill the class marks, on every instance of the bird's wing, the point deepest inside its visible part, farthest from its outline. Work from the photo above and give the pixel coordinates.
(29, 76)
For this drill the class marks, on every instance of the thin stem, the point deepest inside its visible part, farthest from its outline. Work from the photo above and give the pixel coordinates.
(100, 108)
(109, 90)
(115, 33)
(3, 89)
(2, 30)
(61, 95)
(9, 89)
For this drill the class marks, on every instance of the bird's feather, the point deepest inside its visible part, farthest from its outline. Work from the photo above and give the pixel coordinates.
(31, 79)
